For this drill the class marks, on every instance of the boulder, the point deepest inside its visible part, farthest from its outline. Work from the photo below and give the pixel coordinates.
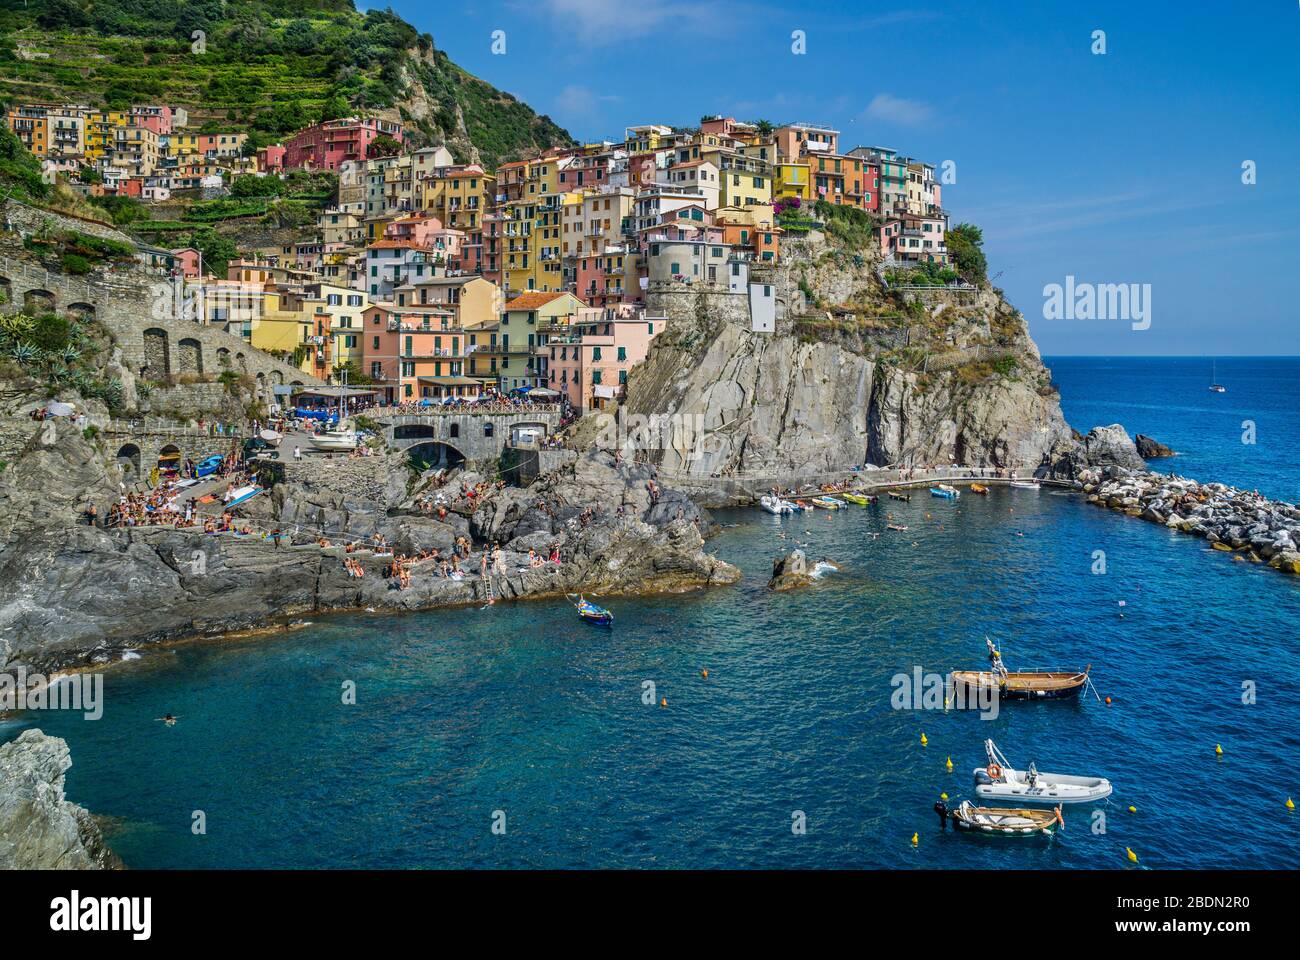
(790, 572)
(39, 828)
(1111, 447)
(1150, 449)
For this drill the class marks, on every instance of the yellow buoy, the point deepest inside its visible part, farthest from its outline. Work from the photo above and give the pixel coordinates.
(1218, 750)
(1131, 855)
(1132, 809)
(943, 796)
(1289, 804)
(916, 838)
(924, 741)
(949, 764)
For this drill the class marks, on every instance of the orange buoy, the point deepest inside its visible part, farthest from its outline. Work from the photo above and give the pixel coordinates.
(704, 674)
(663, 702)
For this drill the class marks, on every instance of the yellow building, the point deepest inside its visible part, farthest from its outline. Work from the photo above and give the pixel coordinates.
(459, 196)
(792, 180)
(532, 231)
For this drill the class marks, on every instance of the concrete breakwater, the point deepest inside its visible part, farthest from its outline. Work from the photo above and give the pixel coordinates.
(1239, 521)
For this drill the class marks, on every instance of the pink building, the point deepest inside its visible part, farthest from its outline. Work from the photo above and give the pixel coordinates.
(270, 159)
(590, 364)
(325, 146)
(187, 262)
(428, 232)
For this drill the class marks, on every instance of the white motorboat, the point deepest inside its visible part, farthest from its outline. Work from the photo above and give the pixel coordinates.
(775, 504)
(1025, 484)
(335, 440)
(999, 781)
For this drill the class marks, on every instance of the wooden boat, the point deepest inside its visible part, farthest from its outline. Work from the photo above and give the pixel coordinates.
(1000, 781)
(857, 498)
(945, 491)
(979, 488)
(591, 613)
(1006, 821)
(1021, 684)
(896, 495)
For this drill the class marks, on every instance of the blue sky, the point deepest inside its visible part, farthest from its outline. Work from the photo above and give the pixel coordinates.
(1117, 168)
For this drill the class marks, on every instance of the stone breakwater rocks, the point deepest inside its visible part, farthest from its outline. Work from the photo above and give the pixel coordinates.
(790, 572)
(1252, 526)
(39, 828)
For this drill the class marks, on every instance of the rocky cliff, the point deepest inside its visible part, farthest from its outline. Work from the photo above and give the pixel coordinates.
(856, 372)
(39, 828)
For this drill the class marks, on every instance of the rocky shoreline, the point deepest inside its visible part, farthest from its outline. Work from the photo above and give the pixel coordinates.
(1255, 528)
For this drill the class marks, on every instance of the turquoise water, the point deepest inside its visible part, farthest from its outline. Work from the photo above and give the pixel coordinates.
(521, 709)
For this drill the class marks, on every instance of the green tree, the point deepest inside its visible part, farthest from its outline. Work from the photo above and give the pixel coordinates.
(965, 245)
(383, 146)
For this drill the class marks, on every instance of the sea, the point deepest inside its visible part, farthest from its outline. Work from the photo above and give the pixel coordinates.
(734, 727)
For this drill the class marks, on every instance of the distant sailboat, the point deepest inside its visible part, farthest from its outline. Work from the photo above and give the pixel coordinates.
(1215, 386)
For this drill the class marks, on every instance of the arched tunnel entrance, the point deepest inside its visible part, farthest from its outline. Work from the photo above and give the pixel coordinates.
(434, 454)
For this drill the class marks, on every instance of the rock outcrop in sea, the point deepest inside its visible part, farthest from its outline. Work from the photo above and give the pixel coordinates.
(790, 572)
(39, 828)
(1150, 449)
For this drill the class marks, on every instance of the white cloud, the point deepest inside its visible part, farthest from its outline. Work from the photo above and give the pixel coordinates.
(606, 22)
(898, 110)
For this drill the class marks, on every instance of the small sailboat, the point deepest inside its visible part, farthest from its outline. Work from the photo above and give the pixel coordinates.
(1003, 821)
(945, 490)
(1215, 386)
(591, 613)
(1000, 781)
(1021, 684)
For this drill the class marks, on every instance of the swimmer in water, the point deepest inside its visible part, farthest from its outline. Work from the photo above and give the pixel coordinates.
(167, 719)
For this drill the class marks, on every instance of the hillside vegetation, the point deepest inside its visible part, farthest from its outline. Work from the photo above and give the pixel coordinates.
(264, 67)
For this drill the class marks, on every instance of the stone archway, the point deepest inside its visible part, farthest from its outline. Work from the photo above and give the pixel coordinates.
(190, 355)
(128, 458)
(157, 354)
(223, 358)
(434, 453)
(241, 362)
(6, 290)
(82, 311)
(37, 300)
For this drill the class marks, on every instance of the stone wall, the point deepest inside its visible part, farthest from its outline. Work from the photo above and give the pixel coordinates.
(139, 311)
(475, 436)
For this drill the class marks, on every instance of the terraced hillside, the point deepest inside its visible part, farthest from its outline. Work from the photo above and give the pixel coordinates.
(265, 67)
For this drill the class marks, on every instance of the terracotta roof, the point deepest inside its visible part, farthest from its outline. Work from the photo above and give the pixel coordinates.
(532, 300)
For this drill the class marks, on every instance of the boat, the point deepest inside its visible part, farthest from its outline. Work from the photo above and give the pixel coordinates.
(775, 504)
(1215, 386)
(1000, 781)
(895, 526)
(1021, 684)
(945, 491)
(1025, 484)
(896, 495)
(827, 503)
(858, 498)
(805, 505)
(1004, 821)
(335, 441)
(341, 438)
(979, 488)
(590, 613)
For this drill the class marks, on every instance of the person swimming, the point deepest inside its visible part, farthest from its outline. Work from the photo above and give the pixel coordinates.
(167, 719)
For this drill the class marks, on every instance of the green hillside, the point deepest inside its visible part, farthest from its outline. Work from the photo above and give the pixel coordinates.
(265, 67)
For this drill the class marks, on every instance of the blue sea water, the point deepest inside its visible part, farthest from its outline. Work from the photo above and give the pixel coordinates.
(521, 709)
